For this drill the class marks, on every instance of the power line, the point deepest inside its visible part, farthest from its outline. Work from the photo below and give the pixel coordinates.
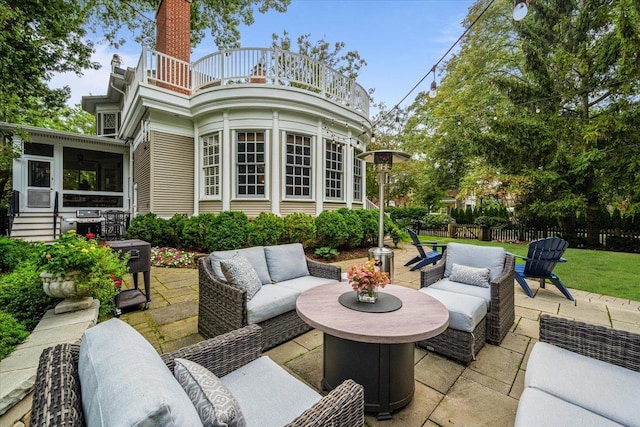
(433, 68)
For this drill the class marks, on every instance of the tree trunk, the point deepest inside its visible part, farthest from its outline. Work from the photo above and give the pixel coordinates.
(593, 231)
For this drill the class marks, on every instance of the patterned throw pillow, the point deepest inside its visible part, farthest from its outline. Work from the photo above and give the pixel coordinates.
(213, 400)
(470, 275)
(239, 272)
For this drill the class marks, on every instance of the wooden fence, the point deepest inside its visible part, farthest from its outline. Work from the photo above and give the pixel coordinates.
(577, 239)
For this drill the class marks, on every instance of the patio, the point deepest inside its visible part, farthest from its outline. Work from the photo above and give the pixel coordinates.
(484, 393)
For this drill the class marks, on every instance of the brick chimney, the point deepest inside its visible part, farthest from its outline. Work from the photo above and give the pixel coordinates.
(173, 38)
(173, 26)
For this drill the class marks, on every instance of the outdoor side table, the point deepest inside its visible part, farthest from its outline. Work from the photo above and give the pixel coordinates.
(139, 262)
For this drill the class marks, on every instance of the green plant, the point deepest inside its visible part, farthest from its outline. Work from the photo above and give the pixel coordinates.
(172, 230)
(12, 333)
(21, 294)
(147, 227)
(369, 220)
(300, 228)
(99, 265)
(196, 229)
(266, 229)
(230, 230)
(354, 228)
(327, 252)
(13, 252)
(331, 229)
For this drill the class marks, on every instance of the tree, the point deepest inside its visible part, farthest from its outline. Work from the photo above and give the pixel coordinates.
(221, 18)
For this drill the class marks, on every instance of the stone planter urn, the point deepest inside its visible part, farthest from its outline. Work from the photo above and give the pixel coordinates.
(63, 286)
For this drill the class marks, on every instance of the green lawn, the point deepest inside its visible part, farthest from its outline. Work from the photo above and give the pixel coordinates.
(609, 273)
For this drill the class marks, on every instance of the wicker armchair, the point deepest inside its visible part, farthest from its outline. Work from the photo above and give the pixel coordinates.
(223, 308)
(501, 314)
(57, 396)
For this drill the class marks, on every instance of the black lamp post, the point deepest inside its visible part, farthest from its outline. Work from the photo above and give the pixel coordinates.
(382, 161)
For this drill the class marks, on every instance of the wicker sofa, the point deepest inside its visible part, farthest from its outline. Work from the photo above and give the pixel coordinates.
(285, 272)
(462, 345)
(581, 375)
(58, 396)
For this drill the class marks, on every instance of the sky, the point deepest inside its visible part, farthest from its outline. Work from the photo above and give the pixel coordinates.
(400, 40)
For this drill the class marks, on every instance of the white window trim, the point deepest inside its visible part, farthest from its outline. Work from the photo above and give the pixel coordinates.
(324, 172)
(356, 153)
(313, 163)
(203, 195)
(267, 165)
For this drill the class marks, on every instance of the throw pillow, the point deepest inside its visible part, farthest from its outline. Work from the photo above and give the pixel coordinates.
(117, 393)
(286, 262)
(470, 275)
(239, 272)
(212, 399)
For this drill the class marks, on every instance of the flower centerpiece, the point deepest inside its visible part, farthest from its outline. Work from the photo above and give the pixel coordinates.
(73, 267)
(365, 279)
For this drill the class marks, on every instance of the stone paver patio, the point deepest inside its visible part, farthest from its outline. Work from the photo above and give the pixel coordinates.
(485, 393)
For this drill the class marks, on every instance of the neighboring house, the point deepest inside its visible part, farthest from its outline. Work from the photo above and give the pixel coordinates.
(248, 129)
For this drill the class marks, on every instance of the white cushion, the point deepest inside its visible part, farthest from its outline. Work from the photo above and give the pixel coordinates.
(286, 262)
(474, 256)
(271, 301)
(268, 395)
(255, 255)
(211, 398)
(540, 409)
(304, 283)
(125, 382)
(465, 311)
(461, 288)
(476, 276)
(239, 272)
(606, 389)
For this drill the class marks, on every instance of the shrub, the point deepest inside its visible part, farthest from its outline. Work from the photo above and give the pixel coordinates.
(172, 231)
(147, 227)
(230, 230)
(12, 252)
(266, 229)
(331, 229)
(369, 220)
(300, 228)
(354, 228)
(196, 229)
(491, 222)
(327, 253)
(436, 221)
(21, 295)
(12, 333)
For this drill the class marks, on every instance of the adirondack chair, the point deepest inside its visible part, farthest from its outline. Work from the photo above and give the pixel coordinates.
(423, 258)
(541, 259)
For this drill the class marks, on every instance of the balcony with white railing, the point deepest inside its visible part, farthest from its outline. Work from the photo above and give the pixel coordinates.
(249, 65)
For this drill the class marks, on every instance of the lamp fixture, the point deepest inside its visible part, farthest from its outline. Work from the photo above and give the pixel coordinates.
(433, 90)
(520, 9)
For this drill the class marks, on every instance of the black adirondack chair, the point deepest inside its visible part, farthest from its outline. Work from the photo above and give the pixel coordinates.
(423, 258)
(541, 259)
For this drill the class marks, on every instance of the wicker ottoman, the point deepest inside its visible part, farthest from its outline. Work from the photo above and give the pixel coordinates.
(466, 333)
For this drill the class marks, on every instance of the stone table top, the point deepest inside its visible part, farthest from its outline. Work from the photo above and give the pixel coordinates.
(420, 317)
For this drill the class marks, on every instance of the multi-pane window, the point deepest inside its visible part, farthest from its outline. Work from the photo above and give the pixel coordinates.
(108, 123)
(298, 167)
(333, 170)
(211, 164)
(250, 161)
(357, 177)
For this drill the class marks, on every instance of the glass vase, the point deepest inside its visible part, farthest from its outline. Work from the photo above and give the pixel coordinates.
(367, 296)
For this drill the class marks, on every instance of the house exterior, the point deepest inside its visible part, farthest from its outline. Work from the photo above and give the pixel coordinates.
(248, 129)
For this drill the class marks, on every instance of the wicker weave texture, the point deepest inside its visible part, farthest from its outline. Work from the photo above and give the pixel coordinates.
(459, 345)
(57, 400)
(223, 308)
(614, 346)
(501, 313)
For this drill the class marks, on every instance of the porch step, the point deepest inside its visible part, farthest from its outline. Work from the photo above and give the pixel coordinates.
(35, 227)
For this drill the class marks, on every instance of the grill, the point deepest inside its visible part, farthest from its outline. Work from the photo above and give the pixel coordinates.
(86, 221)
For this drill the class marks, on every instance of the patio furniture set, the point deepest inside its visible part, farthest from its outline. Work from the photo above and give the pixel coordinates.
(255, 298)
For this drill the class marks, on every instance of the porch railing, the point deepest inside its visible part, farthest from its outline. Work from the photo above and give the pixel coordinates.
(249, 65)
(13, 211)
(56, 211)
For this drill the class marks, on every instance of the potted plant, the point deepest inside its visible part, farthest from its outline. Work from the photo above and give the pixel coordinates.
(365, 279)
(74, 267)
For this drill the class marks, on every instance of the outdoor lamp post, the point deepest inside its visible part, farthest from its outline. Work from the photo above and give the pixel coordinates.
(382, 161)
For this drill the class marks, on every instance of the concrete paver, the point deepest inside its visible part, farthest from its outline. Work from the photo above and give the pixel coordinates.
(484, 393)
